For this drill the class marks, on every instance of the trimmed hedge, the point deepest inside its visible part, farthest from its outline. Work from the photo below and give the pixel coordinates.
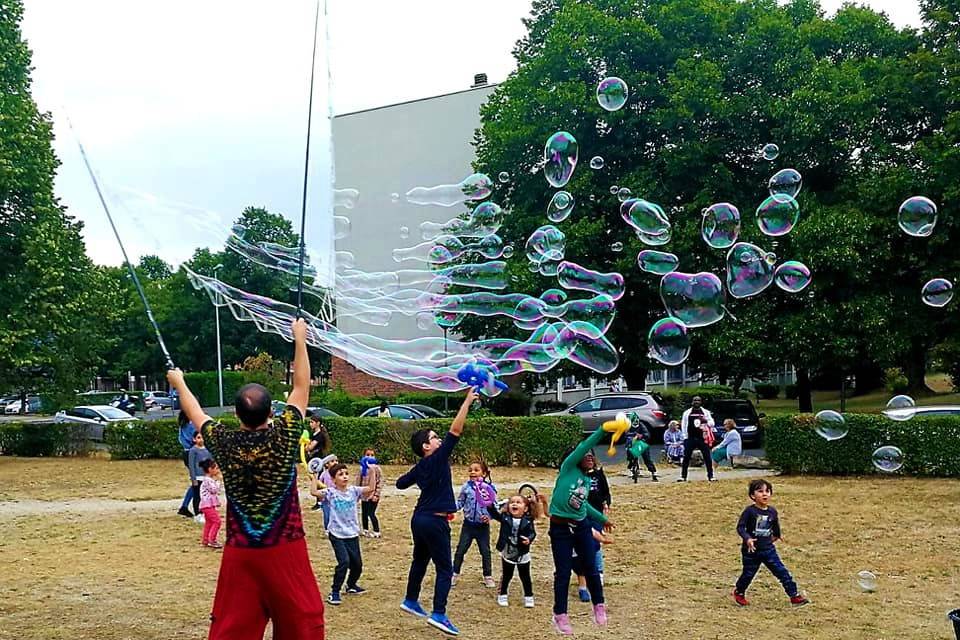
(931, 445)
(32, 439)
(767, 390)
(146, 439)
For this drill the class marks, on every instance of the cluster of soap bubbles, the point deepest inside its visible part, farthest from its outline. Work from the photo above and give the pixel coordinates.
(917, 217)
(831, 425)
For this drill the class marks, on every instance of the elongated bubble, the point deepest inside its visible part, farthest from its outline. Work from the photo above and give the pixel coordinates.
(937, 292)
(345, 198)
(612, 93)
(668, 342)
(645, 217)
(749, 270)
(444, 249)
(777, 215)
(560, 155)
(695, 299)
(654, 240)
(786, 181)
(571, 275)
(658, 262)
(792, 276)
(917, 216)
(484, 220)
(560, 207)
(341, 227)
(476, 186)
(720, 226)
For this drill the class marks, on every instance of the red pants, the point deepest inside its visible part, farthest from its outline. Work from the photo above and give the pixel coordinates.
(211, 525)
(271, 583)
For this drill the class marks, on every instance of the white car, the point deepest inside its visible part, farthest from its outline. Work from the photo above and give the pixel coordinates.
(913, 412)
(96, 416)
(33, 405)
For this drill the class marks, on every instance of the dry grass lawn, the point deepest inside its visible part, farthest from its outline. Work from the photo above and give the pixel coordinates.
(141, 575)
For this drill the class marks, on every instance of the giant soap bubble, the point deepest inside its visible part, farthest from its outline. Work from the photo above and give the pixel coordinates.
(777, 215)
(560, 156)
(668, 342)
(786, 181)
(720, 226)
(612, 93)
(917, 216)
(695, 299)
(749, 270)
(937, 292)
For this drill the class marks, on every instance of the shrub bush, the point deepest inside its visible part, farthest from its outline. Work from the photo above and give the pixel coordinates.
(766, 390)
(499, 440)
(895, 381)
(138, 440)
(43, 439)
(931, 445)
(791, 392)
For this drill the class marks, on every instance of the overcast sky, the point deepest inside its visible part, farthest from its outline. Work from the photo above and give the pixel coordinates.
(203, 104)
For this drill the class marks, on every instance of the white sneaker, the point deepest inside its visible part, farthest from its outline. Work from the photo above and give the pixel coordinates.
(453, 581)
(528, 602)
(365, 534)
(375, 534)
(199, 519)
(488, 582)
(502, 600)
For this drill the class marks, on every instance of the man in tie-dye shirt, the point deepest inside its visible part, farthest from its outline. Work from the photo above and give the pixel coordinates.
(265, 573)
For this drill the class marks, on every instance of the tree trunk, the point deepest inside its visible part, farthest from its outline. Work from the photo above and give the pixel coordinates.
(804, 395)
(915, 367)
(869, 376)
(636, 377)
(737, 383)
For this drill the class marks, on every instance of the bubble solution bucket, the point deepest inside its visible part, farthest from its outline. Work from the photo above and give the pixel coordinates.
(955, 619)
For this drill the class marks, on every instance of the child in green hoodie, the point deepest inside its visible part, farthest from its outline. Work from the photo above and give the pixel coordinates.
(570, 531)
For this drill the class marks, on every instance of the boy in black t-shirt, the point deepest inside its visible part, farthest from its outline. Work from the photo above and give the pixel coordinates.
(759, 527)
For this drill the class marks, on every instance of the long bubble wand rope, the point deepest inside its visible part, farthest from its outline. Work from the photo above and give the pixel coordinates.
(133, 273)
(306, 163)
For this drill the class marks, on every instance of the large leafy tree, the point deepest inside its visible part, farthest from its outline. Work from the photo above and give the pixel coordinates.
(52, 299)
(852, 102)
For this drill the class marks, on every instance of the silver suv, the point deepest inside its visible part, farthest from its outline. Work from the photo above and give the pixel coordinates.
(596, 410)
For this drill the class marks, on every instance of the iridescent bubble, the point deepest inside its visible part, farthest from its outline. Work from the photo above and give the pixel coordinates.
(668, 341)
(792, 276)
(749, 270)
(623, 194)
(560, 158)
(546, 243)
(888, 459)
(554, 296)
(900, 408)
(341, 227)
(549, 268)
(560, 207)
(404, 232)
(770, 151)
(645, 217)
(654, 241)
(448, 319)
(867, 581)
(830, 425)
(571, 275)
(786, 181)
(937, 292)
(476, 186)
(657, 262)
(917, 216)
(616, 247)
(613, 189)
(485, 219)
(503, 177)
(720, 227)
(695, 299)
(508, 251)
(612, 93)
(777, 215)
(596, 162)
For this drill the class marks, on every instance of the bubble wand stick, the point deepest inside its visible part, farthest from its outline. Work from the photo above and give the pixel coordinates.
(133, 273)
(306, 163)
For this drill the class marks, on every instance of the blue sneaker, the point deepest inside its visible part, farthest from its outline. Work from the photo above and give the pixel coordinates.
(412, 606)
(584, 594)
(356, 590)
(442, 622)
(334, 597)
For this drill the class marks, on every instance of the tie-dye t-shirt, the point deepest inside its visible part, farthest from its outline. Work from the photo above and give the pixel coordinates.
(260, 477)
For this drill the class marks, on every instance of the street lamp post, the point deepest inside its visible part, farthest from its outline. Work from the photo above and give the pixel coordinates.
(219, 358)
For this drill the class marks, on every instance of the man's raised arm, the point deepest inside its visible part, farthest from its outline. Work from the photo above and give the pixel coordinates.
(188, 402)
(300, 394)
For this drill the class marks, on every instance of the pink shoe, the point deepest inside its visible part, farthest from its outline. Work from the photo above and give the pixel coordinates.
(561, 622)
(600, 614)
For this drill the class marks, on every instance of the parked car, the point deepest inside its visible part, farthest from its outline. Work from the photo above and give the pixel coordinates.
(405, 412)
(96, 417)
(744, 414)
(323, 412)
(33, 405)
(160, 399)
(596, 410)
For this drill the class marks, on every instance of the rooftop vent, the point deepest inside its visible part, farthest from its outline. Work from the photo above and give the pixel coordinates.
(479, 80)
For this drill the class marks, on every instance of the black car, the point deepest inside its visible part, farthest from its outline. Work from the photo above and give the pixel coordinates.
(744, 414)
